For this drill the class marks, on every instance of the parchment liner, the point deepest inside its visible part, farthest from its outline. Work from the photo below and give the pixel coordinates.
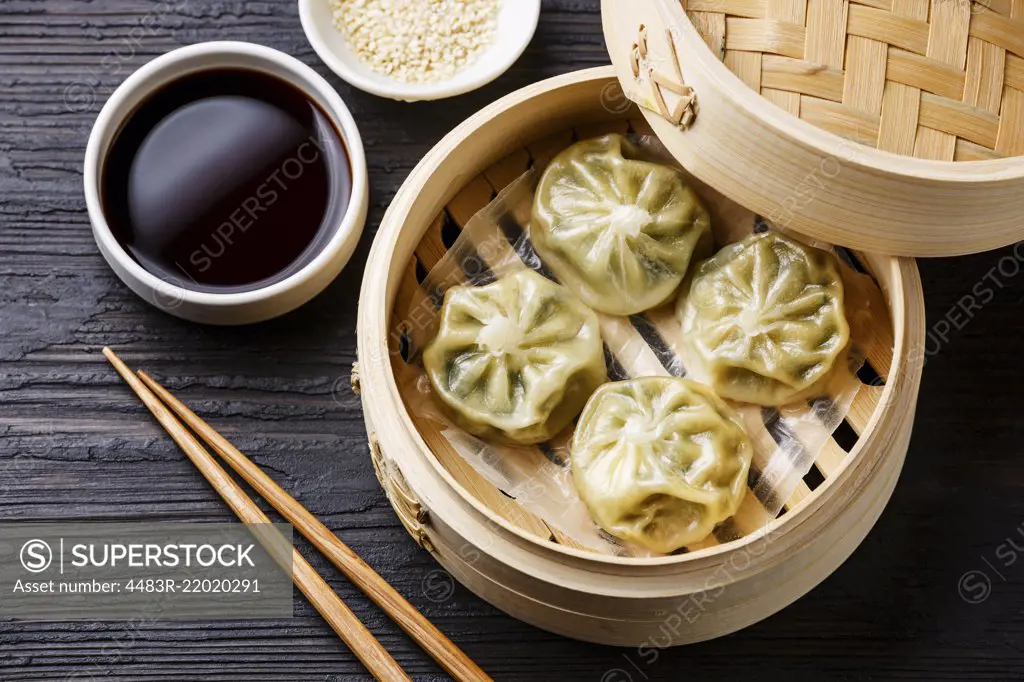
(787, 440)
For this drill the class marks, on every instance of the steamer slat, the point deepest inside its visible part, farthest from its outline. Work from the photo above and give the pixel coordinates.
(504, 172)
(431, 248)
(830, 458)
(864, 406)
(473, 197)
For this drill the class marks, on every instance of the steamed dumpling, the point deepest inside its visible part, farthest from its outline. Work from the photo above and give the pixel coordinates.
(660, 461)
(618, 231)
(515, 360)
(765, 318)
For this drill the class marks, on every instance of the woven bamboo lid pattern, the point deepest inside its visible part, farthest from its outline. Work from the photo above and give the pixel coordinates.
(875, 101)
(939, 79)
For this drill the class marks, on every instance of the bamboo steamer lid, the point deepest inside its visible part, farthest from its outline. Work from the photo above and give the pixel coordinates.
(893, 126)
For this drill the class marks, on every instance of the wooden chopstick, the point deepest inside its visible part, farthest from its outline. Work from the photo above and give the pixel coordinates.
(425, 633)
(341, 619)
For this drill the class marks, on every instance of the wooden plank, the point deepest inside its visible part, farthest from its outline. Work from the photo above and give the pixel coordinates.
(789, 11)
(467, 203)
(431, 248)
(912, 9)
(947, 42)
(863, 407)
(830, 458)
(885, 5)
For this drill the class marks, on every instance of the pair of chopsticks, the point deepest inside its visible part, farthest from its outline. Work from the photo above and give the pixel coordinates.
(340, 617)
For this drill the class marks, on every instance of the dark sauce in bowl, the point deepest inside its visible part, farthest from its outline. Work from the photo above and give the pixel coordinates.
(226, 181)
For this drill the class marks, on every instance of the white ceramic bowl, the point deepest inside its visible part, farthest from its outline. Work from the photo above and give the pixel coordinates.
(517, 22)
(274, 299)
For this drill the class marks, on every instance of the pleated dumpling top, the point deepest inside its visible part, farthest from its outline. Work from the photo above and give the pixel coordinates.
(660, 461)
(765, 317)
(516, 360)
(619, 231)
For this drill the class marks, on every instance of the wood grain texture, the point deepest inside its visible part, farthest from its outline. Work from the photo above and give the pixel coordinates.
(76, 444)
(342, 620)
(425, 633)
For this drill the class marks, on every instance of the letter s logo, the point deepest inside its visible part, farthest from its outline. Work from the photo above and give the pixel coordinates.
(36, 556)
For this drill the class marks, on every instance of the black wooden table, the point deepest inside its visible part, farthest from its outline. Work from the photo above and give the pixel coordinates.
(75, 444)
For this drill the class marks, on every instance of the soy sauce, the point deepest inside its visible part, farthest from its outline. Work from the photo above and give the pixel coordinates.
(226, 180)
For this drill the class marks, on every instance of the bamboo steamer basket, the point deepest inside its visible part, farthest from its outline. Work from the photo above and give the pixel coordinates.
(511, 558)
(918, 103)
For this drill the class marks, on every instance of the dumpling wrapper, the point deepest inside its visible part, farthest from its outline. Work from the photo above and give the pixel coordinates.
(618, 231)
(660, 461)
(515, 361)
(765, 317)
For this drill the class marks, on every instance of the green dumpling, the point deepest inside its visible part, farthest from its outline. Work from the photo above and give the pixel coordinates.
(765, 318)
(516, 360)
(618, 231)
(660, 461)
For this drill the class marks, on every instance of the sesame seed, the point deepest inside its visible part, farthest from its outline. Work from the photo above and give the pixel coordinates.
(417, 41)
